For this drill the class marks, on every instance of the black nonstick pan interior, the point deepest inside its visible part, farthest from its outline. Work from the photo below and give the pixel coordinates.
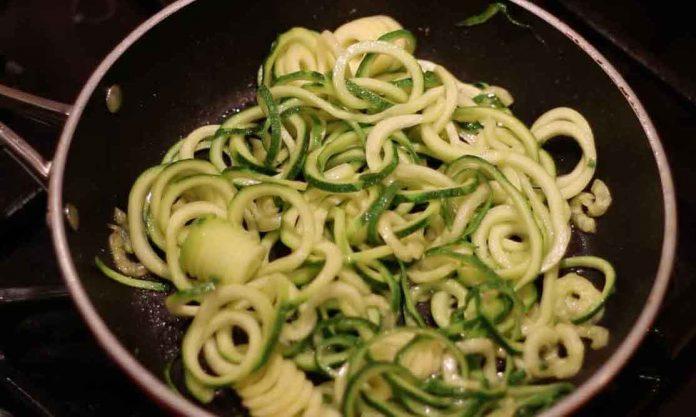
(200, 64)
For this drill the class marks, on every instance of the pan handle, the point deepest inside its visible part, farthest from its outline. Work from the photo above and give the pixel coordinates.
(38, 108)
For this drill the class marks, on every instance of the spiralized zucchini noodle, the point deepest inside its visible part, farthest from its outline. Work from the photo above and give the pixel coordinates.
(374, 237)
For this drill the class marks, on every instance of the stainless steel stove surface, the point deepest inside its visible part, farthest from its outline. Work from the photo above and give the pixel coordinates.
(51, 366)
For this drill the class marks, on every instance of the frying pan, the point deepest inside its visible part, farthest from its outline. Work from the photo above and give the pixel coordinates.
(195, 62)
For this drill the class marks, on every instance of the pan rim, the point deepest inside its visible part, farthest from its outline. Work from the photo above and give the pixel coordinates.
(159, 392)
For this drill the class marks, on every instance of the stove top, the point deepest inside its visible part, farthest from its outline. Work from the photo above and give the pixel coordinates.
(51, 366)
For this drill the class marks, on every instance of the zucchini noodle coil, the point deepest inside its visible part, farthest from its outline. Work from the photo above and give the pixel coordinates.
(374, 237)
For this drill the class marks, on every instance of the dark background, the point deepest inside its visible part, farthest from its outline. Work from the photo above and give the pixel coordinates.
(49, 363)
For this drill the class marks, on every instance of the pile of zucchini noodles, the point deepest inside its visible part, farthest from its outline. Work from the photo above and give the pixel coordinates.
(370, 239)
